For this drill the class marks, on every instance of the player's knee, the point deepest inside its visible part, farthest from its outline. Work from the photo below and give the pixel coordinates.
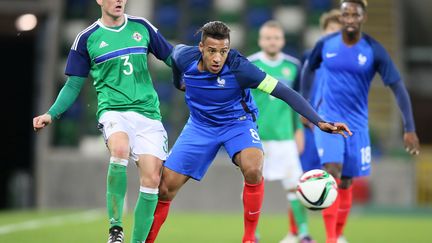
(120, 151)
(165, 194)
(253, 175)
(334, 170)
(151, 181)
(346, 182)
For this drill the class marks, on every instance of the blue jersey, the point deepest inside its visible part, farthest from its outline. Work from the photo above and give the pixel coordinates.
(217, 99)
(346, 74)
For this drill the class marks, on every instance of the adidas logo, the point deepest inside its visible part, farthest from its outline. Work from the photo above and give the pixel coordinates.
(103, 44)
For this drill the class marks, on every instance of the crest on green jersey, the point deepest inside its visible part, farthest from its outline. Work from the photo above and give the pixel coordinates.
(137, 36)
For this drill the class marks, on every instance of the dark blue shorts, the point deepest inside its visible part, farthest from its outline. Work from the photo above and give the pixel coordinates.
(197, 145)
(353, 152)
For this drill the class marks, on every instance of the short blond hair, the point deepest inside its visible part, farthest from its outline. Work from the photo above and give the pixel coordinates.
(329, 17)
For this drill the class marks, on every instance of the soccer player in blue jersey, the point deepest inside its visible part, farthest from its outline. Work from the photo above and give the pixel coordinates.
(329, 23)
(113, 50)
(217, 82)
(349, 60)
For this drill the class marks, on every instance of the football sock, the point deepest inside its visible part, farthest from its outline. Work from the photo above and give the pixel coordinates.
(161, 213)
(116, 190)
(299, 213)
(144, 213)
(253, 195)
(292, 224)
(345, 203)
(330, 218)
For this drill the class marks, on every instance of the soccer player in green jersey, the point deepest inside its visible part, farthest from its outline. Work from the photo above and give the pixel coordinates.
(113, 50)
(279, 126)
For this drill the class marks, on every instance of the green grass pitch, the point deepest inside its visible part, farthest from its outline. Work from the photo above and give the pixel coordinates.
(90, 226)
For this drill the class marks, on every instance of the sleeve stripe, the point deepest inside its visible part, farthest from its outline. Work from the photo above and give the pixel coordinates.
(78, 37)
(268, 84)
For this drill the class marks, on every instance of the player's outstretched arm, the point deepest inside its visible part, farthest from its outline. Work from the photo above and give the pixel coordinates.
(65, 99)
(301, 106)
(411, 141)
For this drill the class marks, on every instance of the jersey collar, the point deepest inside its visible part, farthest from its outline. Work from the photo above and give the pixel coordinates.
(271, 63)
(99, 22)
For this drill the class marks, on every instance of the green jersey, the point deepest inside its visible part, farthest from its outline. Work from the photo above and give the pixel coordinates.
(276, 120)
(116, 59)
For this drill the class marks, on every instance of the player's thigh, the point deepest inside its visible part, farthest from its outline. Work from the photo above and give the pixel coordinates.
(194, 150)
(117, 132)
(358, 155)
(281, 162)
(240, 136)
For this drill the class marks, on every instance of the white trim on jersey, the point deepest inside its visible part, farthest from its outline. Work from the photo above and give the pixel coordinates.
(78, 37)
(291, 59)
(148, 22)
(99, 22)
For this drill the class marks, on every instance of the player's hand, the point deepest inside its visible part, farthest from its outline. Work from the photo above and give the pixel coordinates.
(335, 127)
(412, 144)
(41, 121)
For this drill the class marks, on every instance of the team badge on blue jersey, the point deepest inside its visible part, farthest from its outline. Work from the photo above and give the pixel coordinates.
(221, 82)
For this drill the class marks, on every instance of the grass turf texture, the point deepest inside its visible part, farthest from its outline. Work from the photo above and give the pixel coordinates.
(72, 226)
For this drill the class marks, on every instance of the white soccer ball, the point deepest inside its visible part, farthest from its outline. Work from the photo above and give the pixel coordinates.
(317, 189)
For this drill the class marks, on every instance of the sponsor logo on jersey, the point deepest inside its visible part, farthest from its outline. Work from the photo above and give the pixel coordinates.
(331, 54)
(137, 36)
(362, 59)
(221, 82)
(103, 44)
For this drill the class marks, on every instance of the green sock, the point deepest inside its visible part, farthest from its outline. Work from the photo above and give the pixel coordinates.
(143, 218)
(116, 191)
(300, 217)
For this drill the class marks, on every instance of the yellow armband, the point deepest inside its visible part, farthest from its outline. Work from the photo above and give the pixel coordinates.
(268, 84)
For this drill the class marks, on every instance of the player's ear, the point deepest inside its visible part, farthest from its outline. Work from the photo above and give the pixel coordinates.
(201, 46)
(100, 2)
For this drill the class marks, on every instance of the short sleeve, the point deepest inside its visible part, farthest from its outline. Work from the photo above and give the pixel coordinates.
(247, 74)
(78, 61)
(158, 46)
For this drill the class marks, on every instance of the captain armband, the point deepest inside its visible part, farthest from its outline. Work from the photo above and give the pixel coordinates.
(268, 84)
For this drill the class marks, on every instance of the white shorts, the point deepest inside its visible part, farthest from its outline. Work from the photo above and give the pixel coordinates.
(281, 162)
(146, 136)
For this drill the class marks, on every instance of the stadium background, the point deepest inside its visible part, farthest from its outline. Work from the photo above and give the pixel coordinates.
(65, 166)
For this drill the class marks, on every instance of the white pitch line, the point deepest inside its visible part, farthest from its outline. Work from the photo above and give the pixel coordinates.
(86, 216)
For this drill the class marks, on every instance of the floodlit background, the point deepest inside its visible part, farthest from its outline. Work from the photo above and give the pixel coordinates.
(64, 167)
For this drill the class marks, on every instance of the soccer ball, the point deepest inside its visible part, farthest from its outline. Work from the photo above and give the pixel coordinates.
(317, 189)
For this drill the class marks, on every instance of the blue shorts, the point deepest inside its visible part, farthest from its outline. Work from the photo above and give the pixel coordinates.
(197, 145)
(353, 152)
(309, 158)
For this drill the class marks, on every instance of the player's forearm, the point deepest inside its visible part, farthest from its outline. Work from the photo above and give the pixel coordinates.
(296, 101)
(67, 96)
(404, 103)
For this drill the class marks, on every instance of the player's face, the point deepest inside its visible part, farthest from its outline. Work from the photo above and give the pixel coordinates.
(112, 8)
(332, 27)
(271, 40)
(353, 16)
(214, 54)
